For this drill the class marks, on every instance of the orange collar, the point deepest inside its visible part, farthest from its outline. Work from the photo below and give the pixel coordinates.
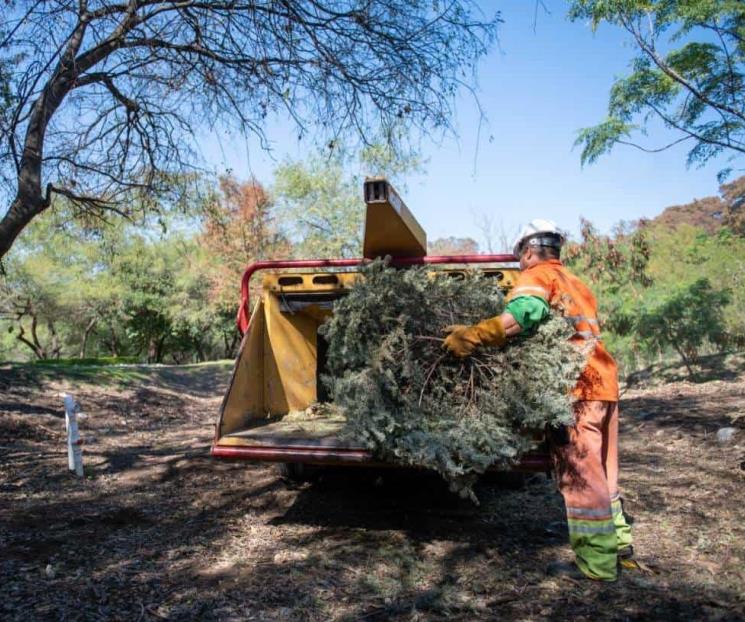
(550, 262)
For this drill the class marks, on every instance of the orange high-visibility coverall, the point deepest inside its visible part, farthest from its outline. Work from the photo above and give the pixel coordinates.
(587, 466)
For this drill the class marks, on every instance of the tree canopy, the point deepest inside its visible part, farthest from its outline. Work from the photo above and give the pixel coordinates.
(321, 207)
(666, 285)
(688, 74)
(169, 293)
(100, 101)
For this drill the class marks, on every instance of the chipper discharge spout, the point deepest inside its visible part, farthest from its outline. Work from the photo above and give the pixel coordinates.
(390, 228)
(267, 412)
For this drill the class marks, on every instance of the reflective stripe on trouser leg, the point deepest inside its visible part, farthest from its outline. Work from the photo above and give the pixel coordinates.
(594, 542)
(623, 530)
(581, 476)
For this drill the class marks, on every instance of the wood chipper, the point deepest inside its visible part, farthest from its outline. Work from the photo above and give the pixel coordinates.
(282, 356)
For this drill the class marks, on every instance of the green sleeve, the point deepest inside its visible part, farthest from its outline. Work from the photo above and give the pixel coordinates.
(528, 311)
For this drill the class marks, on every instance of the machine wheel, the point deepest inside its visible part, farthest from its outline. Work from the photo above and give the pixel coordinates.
(296, 471)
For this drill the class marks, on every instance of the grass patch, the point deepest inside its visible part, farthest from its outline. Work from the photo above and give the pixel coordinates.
(117, 374)
(77, 362)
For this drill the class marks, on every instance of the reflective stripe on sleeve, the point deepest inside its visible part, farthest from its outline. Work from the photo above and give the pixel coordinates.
(586, 334)
(529, 290)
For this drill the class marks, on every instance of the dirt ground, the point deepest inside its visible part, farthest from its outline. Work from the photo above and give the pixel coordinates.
(157, 530)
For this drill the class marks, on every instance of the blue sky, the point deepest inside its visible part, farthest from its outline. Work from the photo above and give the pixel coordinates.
(537, 89)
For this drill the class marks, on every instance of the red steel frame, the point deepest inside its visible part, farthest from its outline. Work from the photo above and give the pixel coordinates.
(342, 456)
(244, 311)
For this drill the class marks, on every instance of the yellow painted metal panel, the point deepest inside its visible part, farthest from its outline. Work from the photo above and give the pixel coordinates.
(312, 282)
(308, 281)
(275, 372)
(289, 359)
(245, 398)
(390, 228)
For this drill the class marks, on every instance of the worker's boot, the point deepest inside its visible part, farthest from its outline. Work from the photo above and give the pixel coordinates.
(626, 559)
(626, 552)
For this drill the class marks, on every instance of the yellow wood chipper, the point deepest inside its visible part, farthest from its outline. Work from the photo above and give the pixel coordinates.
(281, 358)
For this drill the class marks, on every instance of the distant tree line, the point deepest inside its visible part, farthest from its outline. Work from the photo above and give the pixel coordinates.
(166, 289)
(674, 285)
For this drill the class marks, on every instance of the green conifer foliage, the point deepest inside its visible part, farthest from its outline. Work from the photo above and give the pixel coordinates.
(410, 402)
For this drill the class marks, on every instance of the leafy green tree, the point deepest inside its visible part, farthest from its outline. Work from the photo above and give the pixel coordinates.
(194, 319)
(319, 201)
(146, 284)
(685, 254)
(31, 313)
(47, 297)
(70, 291)
(685, 319)
(164, 292)
(321, 207)
(689, 74)
(641, 270)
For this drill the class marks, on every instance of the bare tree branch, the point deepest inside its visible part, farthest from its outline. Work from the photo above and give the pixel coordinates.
(108, 96)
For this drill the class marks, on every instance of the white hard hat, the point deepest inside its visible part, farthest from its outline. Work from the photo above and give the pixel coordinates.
(539, 232)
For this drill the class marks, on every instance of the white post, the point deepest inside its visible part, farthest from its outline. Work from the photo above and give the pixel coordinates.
(74, 451)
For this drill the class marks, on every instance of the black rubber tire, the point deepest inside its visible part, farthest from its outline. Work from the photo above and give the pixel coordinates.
(296, 472)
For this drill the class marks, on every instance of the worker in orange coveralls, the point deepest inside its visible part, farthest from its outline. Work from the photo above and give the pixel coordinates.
(586, 463)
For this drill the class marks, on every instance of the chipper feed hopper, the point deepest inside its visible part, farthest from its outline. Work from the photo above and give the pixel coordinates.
(281, 358)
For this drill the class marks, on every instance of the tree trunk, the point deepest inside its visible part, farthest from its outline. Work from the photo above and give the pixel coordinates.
(42, 351)
(30, 199)
(114, 343)
(21, 213)
(159, 350)
(35, 347)
(56, 347)
(686, 362)
(225, 343)
(199, 347)
(86, 335)
(231, 345)
(152, 351)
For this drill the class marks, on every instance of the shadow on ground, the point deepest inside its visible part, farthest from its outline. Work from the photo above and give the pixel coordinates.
(159, 531)
(349, 546)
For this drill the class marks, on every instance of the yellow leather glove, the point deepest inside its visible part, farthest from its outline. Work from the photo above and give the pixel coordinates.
(463, 340)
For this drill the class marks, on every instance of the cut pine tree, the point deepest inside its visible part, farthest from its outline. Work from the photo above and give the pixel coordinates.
(410, 402)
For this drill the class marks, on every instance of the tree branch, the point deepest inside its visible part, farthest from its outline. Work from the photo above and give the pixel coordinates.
(658, 149)
(671, 73)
